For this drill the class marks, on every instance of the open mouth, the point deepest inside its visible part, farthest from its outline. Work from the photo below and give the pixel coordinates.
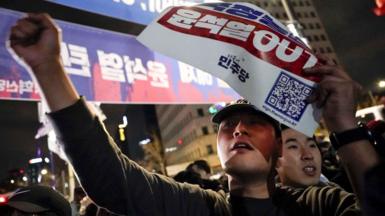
(309, 170)
(241, 145)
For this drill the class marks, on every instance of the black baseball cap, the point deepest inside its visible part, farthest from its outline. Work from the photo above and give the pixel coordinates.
(39, 199)
(243, 105)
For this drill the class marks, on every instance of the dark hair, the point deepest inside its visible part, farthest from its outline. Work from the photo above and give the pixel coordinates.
(188, 176)
(285, 127)
(6, 210)
(202, 164)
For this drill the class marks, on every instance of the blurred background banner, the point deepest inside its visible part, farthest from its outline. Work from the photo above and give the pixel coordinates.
(112, 67)
(138, 11)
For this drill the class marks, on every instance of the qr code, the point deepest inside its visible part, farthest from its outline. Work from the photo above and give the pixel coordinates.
(288, 96)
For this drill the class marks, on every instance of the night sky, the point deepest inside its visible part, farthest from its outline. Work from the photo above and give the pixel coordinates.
(19, 123)
(357, 35)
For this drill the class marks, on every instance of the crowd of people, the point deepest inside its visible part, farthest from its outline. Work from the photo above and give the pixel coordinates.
(270, 169)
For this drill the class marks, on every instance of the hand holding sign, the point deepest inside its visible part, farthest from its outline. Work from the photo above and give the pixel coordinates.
(246, 47)
(337, 94)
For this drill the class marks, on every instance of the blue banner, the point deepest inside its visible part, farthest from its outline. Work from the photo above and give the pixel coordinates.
(112, 67)
(138, 11)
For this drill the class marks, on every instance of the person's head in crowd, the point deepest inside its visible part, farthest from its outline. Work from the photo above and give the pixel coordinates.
(36, 200)
(79, 194)
(188, 176)
(247, 143)
(91, 210)
(198, 172)
(377, 128)
(200, 167)
(299, 163)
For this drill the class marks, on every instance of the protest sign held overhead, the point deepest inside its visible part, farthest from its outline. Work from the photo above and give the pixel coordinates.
(246, 47)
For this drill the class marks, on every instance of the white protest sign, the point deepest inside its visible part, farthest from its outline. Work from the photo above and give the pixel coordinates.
(243, 45)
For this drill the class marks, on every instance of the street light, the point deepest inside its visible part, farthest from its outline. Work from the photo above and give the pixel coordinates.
(145, 141)
(3, 199)
(35, 160)
(171, 149)
(44, 171)
(381, 84)
(121, 127)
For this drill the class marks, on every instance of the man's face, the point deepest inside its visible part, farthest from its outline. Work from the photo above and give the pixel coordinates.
(246, 142)
(300, 163)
